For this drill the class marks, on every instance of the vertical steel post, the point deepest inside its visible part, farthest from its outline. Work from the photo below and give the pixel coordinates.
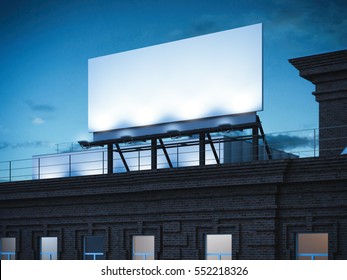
(202, 149)
(255, 142)
(109, 158)
(154, 154)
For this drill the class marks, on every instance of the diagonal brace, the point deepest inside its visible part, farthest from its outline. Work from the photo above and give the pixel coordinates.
(165, 152)
(119, 150)
(213, 148)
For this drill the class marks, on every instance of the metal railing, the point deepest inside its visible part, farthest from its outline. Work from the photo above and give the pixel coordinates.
(230, 147)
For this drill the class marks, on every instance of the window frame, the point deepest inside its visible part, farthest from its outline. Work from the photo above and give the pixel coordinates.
(8, 254)
(51, 254)
(220, 254)
(94, 254)
(312, 255)
(144, 255)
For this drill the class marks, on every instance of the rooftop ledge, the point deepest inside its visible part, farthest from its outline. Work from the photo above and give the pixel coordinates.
(252, 174)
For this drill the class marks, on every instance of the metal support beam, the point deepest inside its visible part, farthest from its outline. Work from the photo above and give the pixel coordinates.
(154, 154)
(213, 148)
(255, 142)
(267, 148)
(122, 157)
(165, 153)
(202, 150)
(109, 158)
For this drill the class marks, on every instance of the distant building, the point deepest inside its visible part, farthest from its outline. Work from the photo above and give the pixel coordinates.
(291, 208)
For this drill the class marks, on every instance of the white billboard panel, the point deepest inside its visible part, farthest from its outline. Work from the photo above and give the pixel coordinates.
(212, 75)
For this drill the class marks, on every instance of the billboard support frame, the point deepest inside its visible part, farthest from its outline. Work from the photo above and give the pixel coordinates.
(162, 145)
(202, 150)
(110, 158)
(154, 154)
(255, 142)
(119, 150)
(262, 133)
(256, 127)
(213, 148)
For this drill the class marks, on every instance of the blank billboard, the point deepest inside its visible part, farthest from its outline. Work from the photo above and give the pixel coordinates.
(217, 74)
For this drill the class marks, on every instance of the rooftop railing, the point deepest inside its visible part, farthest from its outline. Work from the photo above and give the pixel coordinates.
(228, 147)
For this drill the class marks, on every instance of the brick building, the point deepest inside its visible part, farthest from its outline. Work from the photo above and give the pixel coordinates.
(274, 209)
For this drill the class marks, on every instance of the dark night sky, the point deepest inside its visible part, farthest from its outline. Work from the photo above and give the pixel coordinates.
(45, 47)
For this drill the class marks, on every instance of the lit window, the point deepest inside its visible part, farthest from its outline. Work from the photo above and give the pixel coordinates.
(143, 247)
(312, 246)
(93, 247)
(49, 248)
(218, 247)
(8, 248)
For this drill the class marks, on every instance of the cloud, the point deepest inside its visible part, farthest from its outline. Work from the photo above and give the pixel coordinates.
(40, 107)
(42, 112)
(4, 145)
(311, 23)
(205, 24)
(283, 142)
(301, 24)
(37, 120)
(304, 25)
(25, 144)
(202, 25)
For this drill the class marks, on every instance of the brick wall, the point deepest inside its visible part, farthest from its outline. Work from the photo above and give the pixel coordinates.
(262, 204)
(333, 123)
(328, 72)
